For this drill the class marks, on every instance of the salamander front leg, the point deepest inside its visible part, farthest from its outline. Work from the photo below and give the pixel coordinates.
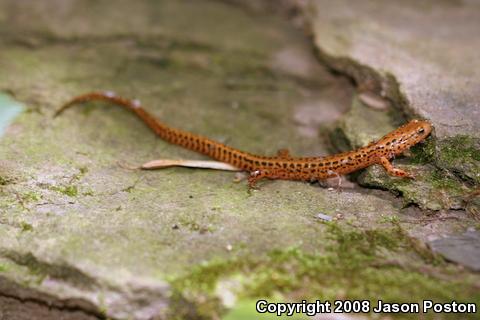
(284, 154)
(338, 177)
(391, 170)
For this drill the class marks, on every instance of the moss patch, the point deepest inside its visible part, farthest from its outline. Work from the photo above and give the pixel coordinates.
(30, 196)
(423, 153)
(432, 188)
(71, 191)
(245, 309)
(26, 227)
(5, 180)
(356, 264)
(461, 154)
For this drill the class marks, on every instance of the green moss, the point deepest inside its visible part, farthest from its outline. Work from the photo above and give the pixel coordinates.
(71, 191)
(88, 193)
(83, 170)
(245, 309)
(26, 226)
(432, 188)
(442, 180)
(192, 225)
(354, 265)
(4, 180)
(461, 154)
(362, 243)
(3, 268)
(423, 153)
(30, 196)
(390, 219)
(460, 147)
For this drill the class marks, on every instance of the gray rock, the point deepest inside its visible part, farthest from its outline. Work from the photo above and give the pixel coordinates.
(427, 50)
(462, 248)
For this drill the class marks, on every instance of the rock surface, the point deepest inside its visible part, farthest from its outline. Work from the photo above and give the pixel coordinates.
(423, 59)
(427, 52)
(461, 248)
(82, 236)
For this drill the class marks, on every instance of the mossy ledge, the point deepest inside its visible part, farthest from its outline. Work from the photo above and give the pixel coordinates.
(358, 263)
(435, 187)
(461, 155)
(42, 269)
(458, 155)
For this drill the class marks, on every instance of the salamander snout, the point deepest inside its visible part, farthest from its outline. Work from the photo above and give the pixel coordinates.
(422, 129)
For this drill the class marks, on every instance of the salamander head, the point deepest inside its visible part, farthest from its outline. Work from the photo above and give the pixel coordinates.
(406, 136)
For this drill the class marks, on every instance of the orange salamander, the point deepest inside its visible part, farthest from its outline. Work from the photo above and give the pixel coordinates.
(283, 166)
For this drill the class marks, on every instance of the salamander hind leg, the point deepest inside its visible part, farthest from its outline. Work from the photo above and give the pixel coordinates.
(254, 177)
(257, 175)
(391, 170)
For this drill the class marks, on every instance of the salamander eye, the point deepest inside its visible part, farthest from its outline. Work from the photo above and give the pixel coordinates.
(420, 131)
